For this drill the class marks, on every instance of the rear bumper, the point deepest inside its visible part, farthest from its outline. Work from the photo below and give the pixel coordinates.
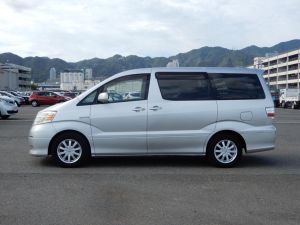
(260, 139)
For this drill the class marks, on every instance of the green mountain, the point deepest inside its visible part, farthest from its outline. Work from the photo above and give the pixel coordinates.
(205, 56)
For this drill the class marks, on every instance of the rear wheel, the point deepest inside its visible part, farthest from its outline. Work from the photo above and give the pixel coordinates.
(225, 150)
(70, 149)
(34, 103)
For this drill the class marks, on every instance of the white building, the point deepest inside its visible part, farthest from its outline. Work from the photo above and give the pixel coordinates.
(89, 74)
(75, 80)
(14, 77)
(258, 62)
(52, 74)
(281, 70)
(173, 63)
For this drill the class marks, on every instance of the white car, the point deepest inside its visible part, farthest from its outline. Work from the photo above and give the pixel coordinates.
(218, 112)
(18, 100)
(8, 107)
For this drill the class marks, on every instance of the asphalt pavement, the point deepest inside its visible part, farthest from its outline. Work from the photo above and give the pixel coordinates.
(264, 189)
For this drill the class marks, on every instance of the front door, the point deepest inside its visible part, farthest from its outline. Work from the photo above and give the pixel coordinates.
(119, 126)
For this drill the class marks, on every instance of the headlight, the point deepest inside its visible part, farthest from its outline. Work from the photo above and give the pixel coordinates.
(44, 117)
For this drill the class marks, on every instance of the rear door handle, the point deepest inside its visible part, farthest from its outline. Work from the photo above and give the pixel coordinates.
(155, 108)
(138, 109)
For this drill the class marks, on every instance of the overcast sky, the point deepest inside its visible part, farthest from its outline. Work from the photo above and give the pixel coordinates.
(79, 29)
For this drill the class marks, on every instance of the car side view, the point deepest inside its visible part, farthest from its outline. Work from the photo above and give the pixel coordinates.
(218, 112)
(46, 98)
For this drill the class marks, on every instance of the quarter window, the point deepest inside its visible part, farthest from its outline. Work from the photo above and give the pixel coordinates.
(237, 86)
(184, 86)
(90, 99)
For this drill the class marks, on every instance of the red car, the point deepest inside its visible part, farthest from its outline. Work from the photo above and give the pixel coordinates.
(46, 98)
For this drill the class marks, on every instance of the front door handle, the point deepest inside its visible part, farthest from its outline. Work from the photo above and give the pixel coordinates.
(138, 109)
(84, 117)
(155, 108)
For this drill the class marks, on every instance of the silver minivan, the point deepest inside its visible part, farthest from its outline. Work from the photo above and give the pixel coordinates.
(218, 112)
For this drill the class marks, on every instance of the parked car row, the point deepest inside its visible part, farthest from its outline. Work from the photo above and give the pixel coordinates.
(17, 98)
(11, 100)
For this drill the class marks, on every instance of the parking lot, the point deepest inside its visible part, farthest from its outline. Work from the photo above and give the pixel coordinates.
(264, 189)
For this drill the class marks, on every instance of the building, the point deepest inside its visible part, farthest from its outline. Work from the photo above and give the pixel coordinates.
(73, 80)
(281, 70)
(173, 63)
(48, 86)
(258, 62)
(52, 74)
(14, 77)
(88, 74)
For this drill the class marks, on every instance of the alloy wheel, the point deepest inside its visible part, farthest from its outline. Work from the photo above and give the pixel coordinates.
(69, 151)
(225, 151)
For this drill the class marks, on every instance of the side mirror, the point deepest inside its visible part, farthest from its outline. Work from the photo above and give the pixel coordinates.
(103, 97)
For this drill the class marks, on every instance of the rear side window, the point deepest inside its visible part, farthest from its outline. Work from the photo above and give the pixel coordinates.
(237, 86)
(184, 86)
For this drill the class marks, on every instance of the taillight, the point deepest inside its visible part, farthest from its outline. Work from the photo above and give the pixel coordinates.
(270, 112)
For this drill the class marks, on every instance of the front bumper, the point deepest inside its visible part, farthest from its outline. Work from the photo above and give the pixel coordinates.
(10, 109)
(39, 139)
(39, 146)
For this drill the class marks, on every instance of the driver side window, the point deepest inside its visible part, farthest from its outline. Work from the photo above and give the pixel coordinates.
(127, 88)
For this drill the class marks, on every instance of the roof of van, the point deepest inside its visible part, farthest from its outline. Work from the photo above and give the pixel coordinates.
(197, 69)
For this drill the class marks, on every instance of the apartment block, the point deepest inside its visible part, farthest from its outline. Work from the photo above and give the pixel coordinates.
(14, 77)
(281, 70)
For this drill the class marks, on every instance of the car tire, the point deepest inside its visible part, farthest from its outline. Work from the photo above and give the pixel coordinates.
(5, 117)
(292, 105)
(34, 103)
(70, 149)
(225, 151)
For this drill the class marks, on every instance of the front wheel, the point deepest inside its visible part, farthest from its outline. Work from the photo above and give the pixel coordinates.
(225, 151)
(34, 103)
(70, 149)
